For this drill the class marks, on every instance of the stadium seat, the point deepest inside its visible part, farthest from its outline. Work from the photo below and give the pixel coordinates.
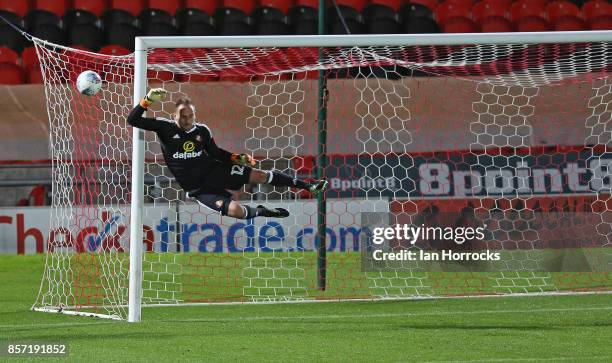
(458, 24)
(11, 73)
(532, 24)
(281, 5)
(596, 8)
(96, 7)
(199, 29)
(601, 23)
(152, 16)
(206, 6)
(409, 11)
(235, 28)
(160, 29)
(10, 38)
(169, 6)
(34, 75)
(29, 57)
(266, 14)
(20, 8)
(430, 4)
(86, 35)
(7, 55)
(495, 24)
(231, 15)
(383, 26)
(487, 8)
(57, 7)
(74, 17)
(12, 18)
(299, 13)
(49, 32)
(561, 8)
(420, 26)
(569, 23)
(41, 17)
(121, 34)
(308, 3)
(191, 15)
(272, 27)
(393, 4)
(527, 8)
(113, 49)
(352, 17)
(133, 7)
(358, 5)
(118, 16)
(246, 6)
(374, 12)
(305, 27)
(448, 10)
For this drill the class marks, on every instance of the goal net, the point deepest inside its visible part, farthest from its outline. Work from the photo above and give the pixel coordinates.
(513, 136)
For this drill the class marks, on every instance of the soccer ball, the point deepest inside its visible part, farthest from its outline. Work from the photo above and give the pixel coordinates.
(89, 83)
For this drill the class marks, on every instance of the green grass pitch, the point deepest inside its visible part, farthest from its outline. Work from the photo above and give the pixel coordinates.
(509, 329)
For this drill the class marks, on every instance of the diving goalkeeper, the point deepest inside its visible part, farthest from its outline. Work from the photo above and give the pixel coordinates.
(205, 171)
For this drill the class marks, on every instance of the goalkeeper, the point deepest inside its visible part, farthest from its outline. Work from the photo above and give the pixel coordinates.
(204, 170)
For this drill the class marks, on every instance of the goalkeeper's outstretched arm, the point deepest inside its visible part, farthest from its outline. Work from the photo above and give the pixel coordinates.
(146, 123)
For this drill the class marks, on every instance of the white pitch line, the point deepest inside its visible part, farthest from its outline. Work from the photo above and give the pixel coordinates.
(392, 315)
(534, 359)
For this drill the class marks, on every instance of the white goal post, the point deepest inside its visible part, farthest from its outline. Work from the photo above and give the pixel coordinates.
(387, 126)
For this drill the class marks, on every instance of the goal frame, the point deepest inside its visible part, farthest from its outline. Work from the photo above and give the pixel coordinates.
(143, 44)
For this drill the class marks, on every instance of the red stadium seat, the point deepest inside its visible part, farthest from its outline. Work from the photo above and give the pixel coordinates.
(596, 8)
(569, 23)
(432, 4)
(207, 6)
(20, 8)
(114, 50)
(57, 7)
(245, 6)
(282, 5)
(461, 2)
(487, 8)
(133, 7)
(495, 24)
(96, 7)
(459, 25)
(170, 6)
(7, 55)
(11, 73)
(307, 3)
(561, 8)
(527, 8)
(29, 57)
(601, 23)
(532, 24)
(448, 10)
(34, 75)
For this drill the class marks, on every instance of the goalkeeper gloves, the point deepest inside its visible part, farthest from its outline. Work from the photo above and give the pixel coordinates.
(154, 95)
(243, 159)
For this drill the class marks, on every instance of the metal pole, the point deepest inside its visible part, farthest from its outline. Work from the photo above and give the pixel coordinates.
(321, 160)
(137, 203)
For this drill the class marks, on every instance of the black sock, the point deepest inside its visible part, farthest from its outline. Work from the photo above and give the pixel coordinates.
(252, 212)
(279, 179)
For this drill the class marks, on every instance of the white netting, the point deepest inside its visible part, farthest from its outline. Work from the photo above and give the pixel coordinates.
(498, 130)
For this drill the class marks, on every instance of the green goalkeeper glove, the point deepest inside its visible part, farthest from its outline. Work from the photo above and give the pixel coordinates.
(243, 159)
(154, 95)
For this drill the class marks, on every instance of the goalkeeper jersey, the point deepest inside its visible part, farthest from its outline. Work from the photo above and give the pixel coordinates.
(190, 155)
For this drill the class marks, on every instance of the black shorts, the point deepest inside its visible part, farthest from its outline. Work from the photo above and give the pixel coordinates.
(213, 194)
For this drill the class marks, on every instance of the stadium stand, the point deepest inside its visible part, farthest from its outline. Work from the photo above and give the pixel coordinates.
(109, 26)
